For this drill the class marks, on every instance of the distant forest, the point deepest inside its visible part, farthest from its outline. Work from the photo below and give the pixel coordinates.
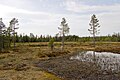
(70, 38)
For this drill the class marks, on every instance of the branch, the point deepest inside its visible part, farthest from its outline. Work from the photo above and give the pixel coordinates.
(90, 30)
(59, 28)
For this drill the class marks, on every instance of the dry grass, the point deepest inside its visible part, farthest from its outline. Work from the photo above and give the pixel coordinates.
(26, 75)
(19, 65)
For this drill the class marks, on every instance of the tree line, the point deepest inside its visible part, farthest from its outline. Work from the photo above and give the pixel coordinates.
(115, 37)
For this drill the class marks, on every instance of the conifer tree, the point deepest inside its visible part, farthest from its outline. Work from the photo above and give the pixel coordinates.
(13, 27)
(64, 29)
(94, 27)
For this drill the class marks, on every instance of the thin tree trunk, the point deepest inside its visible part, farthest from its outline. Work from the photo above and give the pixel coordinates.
(9, 43)
(94, 40)
(14, 39)
(3, 45)
(0, 42)
(63, 41)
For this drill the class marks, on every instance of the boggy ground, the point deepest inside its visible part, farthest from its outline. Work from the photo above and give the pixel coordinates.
(68, 69)
(20, 63)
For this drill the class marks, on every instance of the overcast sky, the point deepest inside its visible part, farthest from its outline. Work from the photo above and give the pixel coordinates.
(44, 16)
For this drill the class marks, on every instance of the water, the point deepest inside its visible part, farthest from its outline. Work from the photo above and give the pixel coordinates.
(105, 60)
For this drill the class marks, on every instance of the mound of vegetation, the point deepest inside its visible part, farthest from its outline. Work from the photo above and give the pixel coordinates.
(49, 53)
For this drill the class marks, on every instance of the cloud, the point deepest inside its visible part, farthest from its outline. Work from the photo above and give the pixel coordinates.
(81, 7)
(109, 22)
(43, 22)
(9, 9)
(23, 4)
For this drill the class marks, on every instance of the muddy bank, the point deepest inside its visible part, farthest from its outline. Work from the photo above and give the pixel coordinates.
(68, 69)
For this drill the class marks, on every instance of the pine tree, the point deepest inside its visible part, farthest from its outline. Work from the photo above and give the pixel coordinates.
(63, 30)
(13, 27)
(2, 26)
(94, 29)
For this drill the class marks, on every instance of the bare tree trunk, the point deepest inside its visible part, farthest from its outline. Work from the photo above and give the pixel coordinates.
(0, 42)
(94, 41)
(14, 39)
(9, 43)
(63, 41)
(3, 45)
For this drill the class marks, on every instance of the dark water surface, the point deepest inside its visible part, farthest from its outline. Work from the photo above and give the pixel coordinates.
(105, 60)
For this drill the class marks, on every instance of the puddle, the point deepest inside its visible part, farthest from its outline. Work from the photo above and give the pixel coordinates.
(104, 60)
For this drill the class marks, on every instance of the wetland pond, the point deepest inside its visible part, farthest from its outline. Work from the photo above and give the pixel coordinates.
(84, 65)
(105, 60)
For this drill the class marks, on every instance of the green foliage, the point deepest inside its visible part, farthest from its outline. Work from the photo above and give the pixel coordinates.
(1, 43)
(6, 32)
(94, 25)
(51, 43)
(70, 38)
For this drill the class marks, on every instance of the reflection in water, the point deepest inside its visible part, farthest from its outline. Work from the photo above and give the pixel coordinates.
(105, 60)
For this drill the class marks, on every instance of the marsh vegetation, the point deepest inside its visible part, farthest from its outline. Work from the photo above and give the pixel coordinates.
(36, 61)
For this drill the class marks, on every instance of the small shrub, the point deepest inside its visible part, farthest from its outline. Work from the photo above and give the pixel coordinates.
(51, 44)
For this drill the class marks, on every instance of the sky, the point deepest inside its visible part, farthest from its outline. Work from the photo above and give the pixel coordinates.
(43, 17)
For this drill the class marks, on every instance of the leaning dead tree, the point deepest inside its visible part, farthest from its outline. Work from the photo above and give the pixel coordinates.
(64, 29)
(94, 27)
(12, 28)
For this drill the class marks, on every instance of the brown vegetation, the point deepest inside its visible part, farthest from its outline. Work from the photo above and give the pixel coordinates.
(18, 64)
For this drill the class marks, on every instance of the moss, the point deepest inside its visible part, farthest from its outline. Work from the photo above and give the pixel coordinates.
(49, 76)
